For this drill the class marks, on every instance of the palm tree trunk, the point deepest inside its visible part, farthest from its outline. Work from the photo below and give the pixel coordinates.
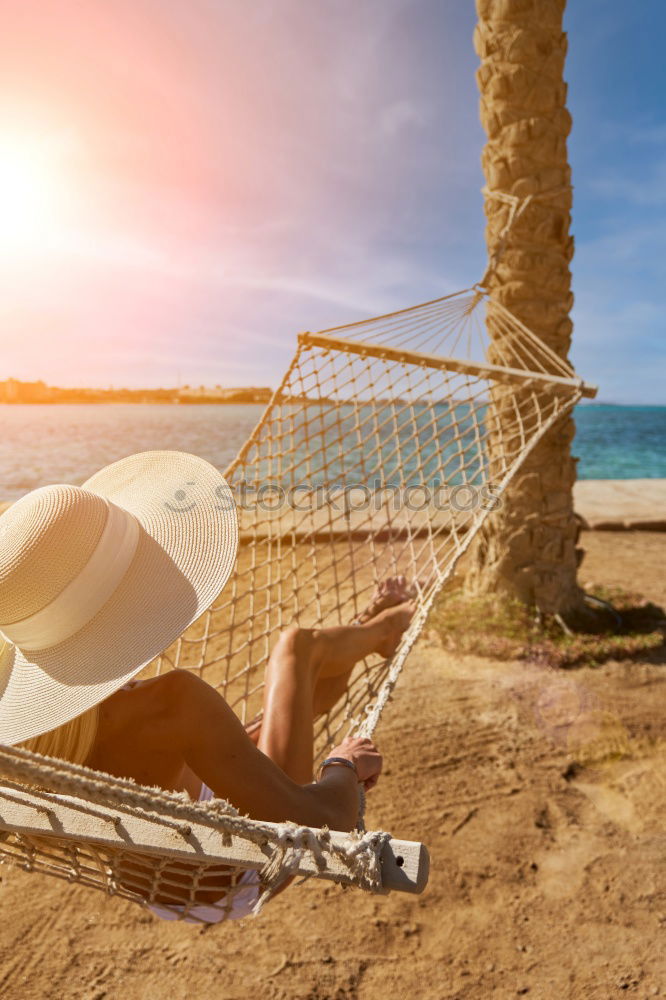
(528, 547)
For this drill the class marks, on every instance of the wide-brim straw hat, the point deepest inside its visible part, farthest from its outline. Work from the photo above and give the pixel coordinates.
(97, 580)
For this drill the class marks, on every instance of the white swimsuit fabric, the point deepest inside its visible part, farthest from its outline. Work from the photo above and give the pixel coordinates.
(242, 902)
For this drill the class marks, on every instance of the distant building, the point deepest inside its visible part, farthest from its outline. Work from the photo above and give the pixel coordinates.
(250, 394)
(13, 391)
(9, 391)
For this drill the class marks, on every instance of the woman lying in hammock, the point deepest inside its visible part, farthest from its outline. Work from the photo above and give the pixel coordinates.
(174, 730)
(178, 732)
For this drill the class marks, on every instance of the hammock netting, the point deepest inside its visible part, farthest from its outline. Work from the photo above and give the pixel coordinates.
(383, 450)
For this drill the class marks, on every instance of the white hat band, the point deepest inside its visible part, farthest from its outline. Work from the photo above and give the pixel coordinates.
(83, 596)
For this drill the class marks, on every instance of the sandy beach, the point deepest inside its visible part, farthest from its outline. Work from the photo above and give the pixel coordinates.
(540, 795)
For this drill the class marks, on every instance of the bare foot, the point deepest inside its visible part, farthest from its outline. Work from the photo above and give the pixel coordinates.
(390, 624)
(391, 591)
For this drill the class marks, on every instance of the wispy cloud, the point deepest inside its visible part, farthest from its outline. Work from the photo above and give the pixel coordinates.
(401, 115)
(639, 184)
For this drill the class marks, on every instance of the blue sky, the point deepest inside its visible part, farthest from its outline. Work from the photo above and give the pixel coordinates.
(231, 174)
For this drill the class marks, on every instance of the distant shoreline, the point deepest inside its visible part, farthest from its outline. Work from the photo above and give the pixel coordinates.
(136, 402)
(14, 391)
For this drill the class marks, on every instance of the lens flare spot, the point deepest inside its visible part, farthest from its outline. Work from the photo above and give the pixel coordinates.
(31, 191)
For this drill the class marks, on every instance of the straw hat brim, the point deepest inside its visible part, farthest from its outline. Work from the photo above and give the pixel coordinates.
(185, 555)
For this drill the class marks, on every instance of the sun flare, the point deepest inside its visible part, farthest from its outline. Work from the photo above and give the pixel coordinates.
(31, 190)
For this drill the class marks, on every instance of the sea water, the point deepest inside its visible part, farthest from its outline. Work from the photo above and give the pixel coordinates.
(66, 443)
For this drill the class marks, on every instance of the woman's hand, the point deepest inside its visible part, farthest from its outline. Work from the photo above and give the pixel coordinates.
(363, 753)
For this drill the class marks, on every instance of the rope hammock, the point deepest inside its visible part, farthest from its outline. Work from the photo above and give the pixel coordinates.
(383, 450)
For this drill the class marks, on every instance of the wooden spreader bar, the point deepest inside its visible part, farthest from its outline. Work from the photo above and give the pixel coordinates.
(477, 369)
(405, 863)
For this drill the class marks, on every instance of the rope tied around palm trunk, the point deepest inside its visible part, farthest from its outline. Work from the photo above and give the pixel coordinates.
(517, 206)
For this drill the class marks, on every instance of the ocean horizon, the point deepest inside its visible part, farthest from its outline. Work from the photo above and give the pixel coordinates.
(67, 443)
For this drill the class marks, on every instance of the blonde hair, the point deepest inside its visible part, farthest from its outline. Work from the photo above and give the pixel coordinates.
(72, 741)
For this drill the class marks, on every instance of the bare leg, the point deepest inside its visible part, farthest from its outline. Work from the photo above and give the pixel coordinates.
(330, 685)
(390, 592)
(301, 659)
